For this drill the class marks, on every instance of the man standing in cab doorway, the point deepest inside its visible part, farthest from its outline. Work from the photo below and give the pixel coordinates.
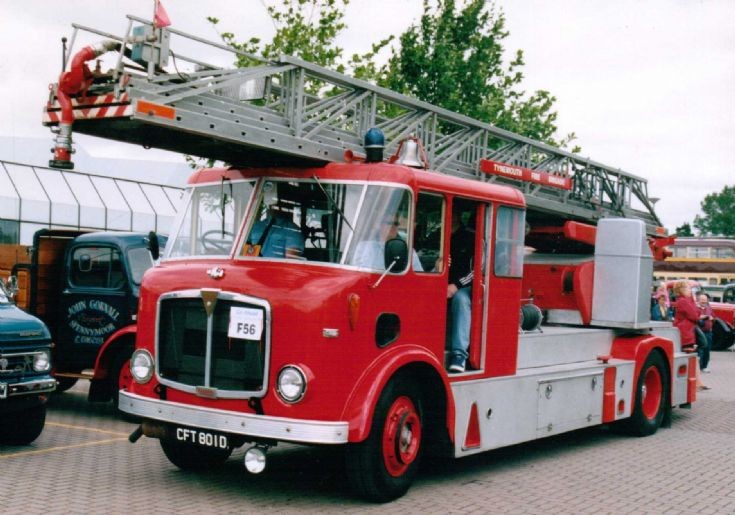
(459, 289)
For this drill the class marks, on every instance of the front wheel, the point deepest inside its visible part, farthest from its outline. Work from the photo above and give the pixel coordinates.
(23, 427)
(382, 467)
(188, 456)
(652, 394)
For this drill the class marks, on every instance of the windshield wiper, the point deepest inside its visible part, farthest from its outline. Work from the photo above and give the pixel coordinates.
(332, 202)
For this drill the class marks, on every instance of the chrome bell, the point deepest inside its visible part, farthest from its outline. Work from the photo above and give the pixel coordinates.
(409, 154)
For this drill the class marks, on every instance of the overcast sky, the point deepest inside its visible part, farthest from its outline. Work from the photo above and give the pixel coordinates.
(647, 86)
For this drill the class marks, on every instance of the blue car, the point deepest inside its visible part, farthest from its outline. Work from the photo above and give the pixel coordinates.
(25, 372)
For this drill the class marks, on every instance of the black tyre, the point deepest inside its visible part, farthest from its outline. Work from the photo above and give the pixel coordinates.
(651, 397)
(188, 456)
(722, 335)
(65, 383)
(23, 427)
(382, 467)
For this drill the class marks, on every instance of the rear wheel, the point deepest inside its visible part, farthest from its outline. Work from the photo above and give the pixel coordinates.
(23, 427)
(652, 394)
(382, 467)
(187, 456)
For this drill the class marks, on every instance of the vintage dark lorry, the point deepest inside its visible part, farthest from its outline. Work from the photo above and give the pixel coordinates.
(25, 372)
(84, 286)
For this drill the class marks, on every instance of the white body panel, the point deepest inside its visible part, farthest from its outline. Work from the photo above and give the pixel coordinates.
(559, 387)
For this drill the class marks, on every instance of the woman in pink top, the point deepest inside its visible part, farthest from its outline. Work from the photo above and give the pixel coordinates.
(686, 319)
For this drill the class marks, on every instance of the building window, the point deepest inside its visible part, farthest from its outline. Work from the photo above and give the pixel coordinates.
(9, 231)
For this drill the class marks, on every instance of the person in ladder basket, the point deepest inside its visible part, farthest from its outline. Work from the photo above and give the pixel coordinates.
(459, 289)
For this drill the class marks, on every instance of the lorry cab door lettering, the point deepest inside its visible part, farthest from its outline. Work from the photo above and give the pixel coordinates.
(95, 302)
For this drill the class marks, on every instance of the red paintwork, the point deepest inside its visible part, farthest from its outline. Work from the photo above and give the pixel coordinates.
(475, 350)
(652, 399)
(637, 348)
(659, 247)
(692, 380)
(401, 436)
(577, 231)
(472, 438)
(608, 397)
(109, 349)
(572, 231)
(561, 286)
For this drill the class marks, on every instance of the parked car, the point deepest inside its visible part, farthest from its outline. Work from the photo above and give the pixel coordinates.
(25, 372)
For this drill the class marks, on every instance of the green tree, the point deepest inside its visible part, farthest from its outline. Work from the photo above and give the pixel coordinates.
(454, 58)
(303, 28)
(718, 218)
(684, 229)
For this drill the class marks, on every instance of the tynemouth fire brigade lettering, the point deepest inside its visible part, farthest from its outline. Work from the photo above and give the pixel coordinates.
(509, 170)
(92, 321)
(552, 178)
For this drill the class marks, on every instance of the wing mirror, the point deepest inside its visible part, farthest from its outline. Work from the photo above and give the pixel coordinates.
(154, 245)
(396, 255)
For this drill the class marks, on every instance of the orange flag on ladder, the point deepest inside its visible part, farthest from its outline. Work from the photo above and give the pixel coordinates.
(160, 16)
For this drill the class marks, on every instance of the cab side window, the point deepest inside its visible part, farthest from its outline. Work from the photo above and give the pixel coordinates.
(509, 236)
(429, 232)
(97, 267)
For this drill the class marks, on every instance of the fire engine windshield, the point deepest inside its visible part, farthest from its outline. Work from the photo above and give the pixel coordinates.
(209, 223)
(306, 220)
(328, 222)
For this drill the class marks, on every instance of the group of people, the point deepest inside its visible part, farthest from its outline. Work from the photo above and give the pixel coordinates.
(693, 318)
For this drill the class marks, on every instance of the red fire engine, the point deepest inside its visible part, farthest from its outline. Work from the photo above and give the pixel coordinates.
(266, 323)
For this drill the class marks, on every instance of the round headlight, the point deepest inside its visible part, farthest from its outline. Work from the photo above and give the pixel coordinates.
(291, 384)
(41, 361)
(141, 366)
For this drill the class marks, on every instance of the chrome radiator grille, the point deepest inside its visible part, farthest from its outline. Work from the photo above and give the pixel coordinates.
(196, 348)
(15, 363)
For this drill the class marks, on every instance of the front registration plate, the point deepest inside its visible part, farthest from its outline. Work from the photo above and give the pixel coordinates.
(202, 437)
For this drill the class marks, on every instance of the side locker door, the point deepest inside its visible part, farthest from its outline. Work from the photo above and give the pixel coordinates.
(480, 286)
(92, 305)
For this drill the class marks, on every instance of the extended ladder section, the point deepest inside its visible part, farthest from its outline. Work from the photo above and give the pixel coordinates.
(292, 112)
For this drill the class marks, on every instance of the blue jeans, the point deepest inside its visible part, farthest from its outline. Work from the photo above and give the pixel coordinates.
(461, 318)
(703, 350)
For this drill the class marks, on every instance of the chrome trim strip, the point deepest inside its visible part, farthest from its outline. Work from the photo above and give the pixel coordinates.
(245, 424)
(27, 387)
(208, 350)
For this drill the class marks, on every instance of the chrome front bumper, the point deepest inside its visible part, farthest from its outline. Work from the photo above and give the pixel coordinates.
(246, 424)
(26, 387)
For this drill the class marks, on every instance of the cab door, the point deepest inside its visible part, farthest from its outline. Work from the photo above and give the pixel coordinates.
(95, 302)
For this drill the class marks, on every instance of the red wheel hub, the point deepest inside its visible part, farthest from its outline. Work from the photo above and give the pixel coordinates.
(652, 393)
(401, 436)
